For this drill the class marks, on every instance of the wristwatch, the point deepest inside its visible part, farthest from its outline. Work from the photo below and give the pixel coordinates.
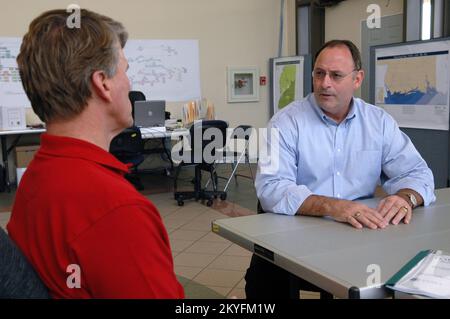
(412, 199)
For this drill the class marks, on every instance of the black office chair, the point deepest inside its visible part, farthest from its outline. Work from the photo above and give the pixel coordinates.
(18, 279)
(128, 146)
(212, 135)
(297, 283)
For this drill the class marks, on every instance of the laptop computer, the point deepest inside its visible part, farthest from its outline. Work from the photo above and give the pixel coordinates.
(150, 113)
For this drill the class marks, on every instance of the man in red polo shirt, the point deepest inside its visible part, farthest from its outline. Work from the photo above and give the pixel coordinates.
(85, 229)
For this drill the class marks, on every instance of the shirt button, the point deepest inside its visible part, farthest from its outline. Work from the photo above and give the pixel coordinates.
(339, 150)
(338, 173)
(338, 195)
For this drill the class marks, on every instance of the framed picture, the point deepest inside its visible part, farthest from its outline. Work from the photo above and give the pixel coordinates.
(290, 80)
(243, 84)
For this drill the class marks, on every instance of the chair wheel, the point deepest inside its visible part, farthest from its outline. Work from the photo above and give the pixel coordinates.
(223, 196)
(180, 203)
(209, 203)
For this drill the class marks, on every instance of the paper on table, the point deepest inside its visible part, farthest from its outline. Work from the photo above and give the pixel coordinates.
(430, 276)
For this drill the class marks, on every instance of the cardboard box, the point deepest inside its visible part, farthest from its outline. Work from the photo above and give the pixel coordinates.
(12, 118)
(24, 155)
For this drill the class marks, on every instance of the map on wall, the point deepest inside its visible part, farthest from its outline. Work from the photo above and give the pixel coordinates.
(412, 83)
(164, 69)
(11, 90)
(286, 81)
(413, 80)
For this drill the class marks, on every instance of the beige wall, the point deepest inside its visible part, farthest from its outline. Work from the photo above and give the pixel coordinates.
(344, 20)
(230, 33)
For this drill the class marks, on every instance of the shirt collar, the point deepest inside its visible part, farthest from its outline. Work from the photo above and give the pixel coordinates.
(325, 118)
(63, 146)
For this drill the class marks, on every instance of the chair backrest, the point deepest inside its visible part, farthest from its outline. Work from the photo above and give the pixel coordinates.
(127, 143)
(18, 279)
(242, 132)
(135, 96)
(208, 131)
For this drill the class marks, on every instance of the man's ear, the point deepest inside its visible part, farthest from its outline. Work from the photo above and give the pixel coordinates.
(358, 79)
(101, 85)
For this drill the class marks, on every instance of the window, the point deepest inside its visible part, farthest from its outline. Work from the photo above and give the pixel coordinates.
(426, 20)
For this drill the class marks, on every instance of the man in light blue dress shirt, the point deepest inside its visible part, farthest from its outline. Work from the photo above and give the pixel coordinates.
(334, 148)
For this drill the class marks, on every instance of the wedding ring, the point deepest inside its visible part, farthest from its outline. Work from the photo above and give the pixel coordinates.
(405, 208)
(357, 214)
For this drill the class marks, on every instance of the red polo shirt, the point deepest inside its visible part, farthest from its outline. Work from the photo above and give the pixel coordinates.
(74, 207)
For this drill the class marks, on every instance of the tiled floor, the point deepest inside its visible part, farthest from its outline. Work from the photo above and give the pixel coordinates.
(207, 265)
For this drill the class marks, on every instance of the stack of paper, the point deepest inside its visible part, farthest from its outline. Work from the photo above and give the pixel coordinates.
(427, 274)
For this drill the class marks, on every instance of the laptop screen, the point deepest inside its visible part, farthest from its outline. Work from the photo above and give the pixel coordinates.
(149, 113)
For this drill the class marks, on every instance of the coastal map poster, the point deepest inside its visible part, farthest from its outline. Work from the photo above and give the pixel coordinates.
(412, 83)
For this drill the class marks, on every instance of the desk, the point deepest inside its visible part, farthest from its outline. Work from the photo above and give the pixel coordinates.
(335, 256)
(7, 150)
(147, 133)
(152, 133)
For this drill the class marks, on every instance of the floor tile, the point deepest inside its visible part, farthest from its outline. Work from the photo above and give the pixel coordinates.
(193, 260)
(241, 284)
(171, 222)
(179, 245)
(219, 278)
(207, 248)
(239, 263)
(187, 234)
(213, 237)
(236, 293)
(202, 225)
(235, 250)
(193, 290)
(187, 272)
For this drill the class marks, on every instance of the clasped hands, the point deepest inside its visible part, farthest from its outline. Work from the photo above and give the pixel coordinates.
(391, 209)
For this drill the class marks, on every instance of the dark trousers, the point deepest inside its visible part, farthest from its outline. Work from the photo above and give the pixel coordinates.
(265, 280)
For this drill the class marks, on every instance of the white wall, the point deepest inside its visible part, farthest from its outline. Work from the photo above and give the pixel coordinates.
(230, 33)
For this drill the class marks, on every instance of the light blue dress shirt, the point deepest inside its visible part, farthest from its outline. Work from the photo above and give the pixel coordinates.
(346, 160)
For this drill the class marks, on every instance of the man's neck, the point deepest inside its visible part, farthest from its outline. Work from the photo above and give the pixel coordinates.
(338, 118)
(85, 126)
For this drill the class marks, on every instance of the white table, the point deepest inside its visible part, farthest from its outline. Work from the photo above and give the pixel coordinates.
(335, 256)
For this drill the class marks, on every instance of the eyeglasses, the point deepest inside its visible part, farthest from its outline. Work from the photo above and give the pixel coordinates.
(335, 76)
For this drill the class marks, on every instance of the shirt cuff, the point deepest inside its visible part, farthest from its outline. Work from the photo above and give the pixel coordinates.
(293, 198)
(427, 195)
